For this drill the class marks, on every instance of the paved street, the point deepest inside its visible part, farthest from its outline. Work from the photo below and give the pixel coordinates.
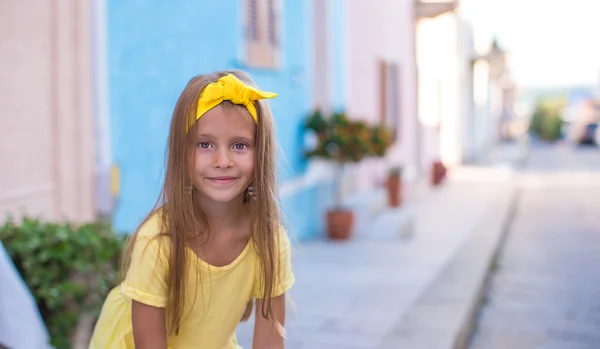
(546, 290)
(349, 295)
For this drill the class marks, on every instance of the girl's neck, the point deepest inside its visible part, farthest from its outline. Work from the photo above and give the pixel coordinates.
(225, 216)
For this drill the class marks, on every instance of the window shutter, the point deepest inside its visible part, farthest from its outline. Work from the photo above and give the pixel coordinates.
(272, 23)
(253, 20)
(262, 31)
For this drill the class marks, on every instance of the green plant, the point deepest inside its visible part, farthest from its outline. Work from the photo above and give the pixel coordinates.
(339, 139)
(546, 122)
(380, 141)
(69, 269)
(345, 141)
(317, 123)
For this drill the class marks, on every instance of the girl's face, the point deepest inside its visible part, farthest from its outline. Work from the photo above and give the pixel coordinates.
(224, 153)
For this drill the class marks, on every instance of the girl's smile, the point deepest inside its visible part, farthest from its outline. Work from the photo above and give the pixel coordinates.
(222, 181)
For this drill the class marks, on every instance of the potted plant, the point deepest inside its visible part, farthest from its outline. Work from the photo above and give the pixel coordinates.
(340, 141)
(438, 173)
(394, 186)
(380, 142)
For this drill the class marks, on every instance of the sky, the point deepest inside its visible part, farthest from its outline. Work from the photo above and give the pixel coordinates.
(551, 43)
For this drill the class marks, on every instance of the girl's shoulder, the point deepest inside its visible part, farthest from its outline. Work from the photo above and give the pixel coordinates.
(152, 228)
(150, 235)
(282, 240)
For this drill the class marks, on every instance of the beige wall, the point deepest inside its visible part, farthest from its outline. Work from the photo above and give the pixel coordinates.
(46, 145)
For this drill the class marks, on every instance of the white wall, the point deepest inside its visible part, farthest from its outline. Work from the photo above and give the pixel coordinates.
(456, 102)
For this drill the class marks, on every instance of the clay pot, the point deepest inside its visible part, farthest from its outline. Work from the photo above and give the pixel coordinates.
(394, 188)
(339, 224)
(438, 173)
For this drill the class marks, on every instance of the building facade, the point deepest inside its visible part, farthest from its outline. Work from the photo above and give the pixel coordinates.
(89, 87)
(46, 110)
(381, 79)
(461, 85)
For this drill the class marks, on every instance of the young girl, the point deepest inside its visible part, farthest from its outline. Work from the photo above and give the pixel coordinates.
(214, 241)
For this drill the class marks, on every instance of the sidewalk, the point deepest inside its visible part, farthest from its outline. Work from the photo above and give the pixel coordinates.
(351, 294)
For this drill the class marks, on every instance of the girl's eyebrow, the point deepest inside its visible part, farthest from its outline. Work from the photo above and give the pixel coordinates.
(245, 139)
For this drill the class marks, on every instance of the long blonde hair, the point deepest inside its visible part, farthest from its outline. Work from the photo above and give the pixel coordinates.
(180, 215)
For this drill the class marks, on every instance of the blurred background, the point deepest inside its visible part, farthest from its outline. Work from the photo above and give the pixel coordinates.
(438, 166)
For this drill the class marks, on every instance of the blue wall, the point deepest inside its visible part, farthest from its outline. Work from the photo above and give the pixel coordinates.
(154, 49)
(305, 210)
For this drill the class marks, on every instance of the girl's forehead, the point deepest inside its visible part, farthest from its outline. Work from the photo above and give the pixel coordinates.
(226, 118)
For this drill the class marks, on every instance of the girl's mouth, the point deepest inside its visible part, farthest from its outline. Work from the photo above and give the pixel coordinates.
(222, 180)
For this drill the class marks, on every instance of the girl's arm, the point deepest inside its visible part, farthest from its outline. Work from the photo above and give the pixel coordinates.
(149, 330)
(266, 335)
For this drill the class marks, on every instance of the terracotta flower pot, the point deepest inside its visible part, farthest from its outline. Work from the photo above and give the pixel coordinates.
(339, 224)
(438, 173)
(394, 189)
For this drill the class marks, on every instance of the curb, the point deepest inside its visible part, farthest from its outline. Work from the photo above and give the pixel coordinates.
(444, 315)
(468, 328)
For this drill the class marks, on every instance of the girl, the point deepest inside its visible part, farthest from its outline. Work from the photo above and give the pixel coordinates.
(214, 241)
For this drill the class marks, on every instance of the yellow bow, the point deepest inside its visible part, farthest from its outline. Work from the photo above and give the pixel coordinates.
(230, 88)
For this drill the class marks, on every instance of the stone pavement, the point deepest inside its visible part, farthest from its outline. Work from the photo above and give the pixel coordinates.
(546, 290)
(350, 294)
(442, 316)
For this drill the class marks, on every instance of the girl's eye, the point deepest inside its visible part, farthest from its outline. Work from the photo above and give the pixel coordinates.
(239, 146)
(204, 145)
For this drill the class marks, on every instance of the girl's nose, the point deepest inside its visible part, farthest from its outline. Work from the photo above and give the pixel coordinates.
(222, 159)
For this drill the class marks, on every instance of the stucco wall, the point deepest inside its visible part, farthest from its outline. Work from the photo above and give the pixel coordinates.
(454, 91)
(375, 33)
(46, 142)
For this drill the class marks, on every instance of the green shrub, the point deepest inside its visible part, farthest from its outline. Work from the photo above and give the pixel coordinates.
(69, 269)
(546, 122)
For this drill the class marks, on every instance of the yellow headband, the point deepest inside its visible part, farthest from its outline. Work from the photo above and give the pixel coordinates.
(230, 88)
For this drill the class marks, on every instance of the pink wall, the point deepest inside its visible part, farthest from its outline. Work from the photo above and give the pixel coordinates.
(46, 139)
(375, 32)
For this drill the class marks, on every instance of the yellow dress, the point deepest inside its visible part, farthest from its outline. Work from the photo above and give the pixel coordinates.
(215, 300)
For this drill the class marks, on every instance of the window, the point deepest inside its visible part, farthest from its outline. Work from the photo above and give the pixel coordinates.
(252, 20)
(262, 33)
(389, 96)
